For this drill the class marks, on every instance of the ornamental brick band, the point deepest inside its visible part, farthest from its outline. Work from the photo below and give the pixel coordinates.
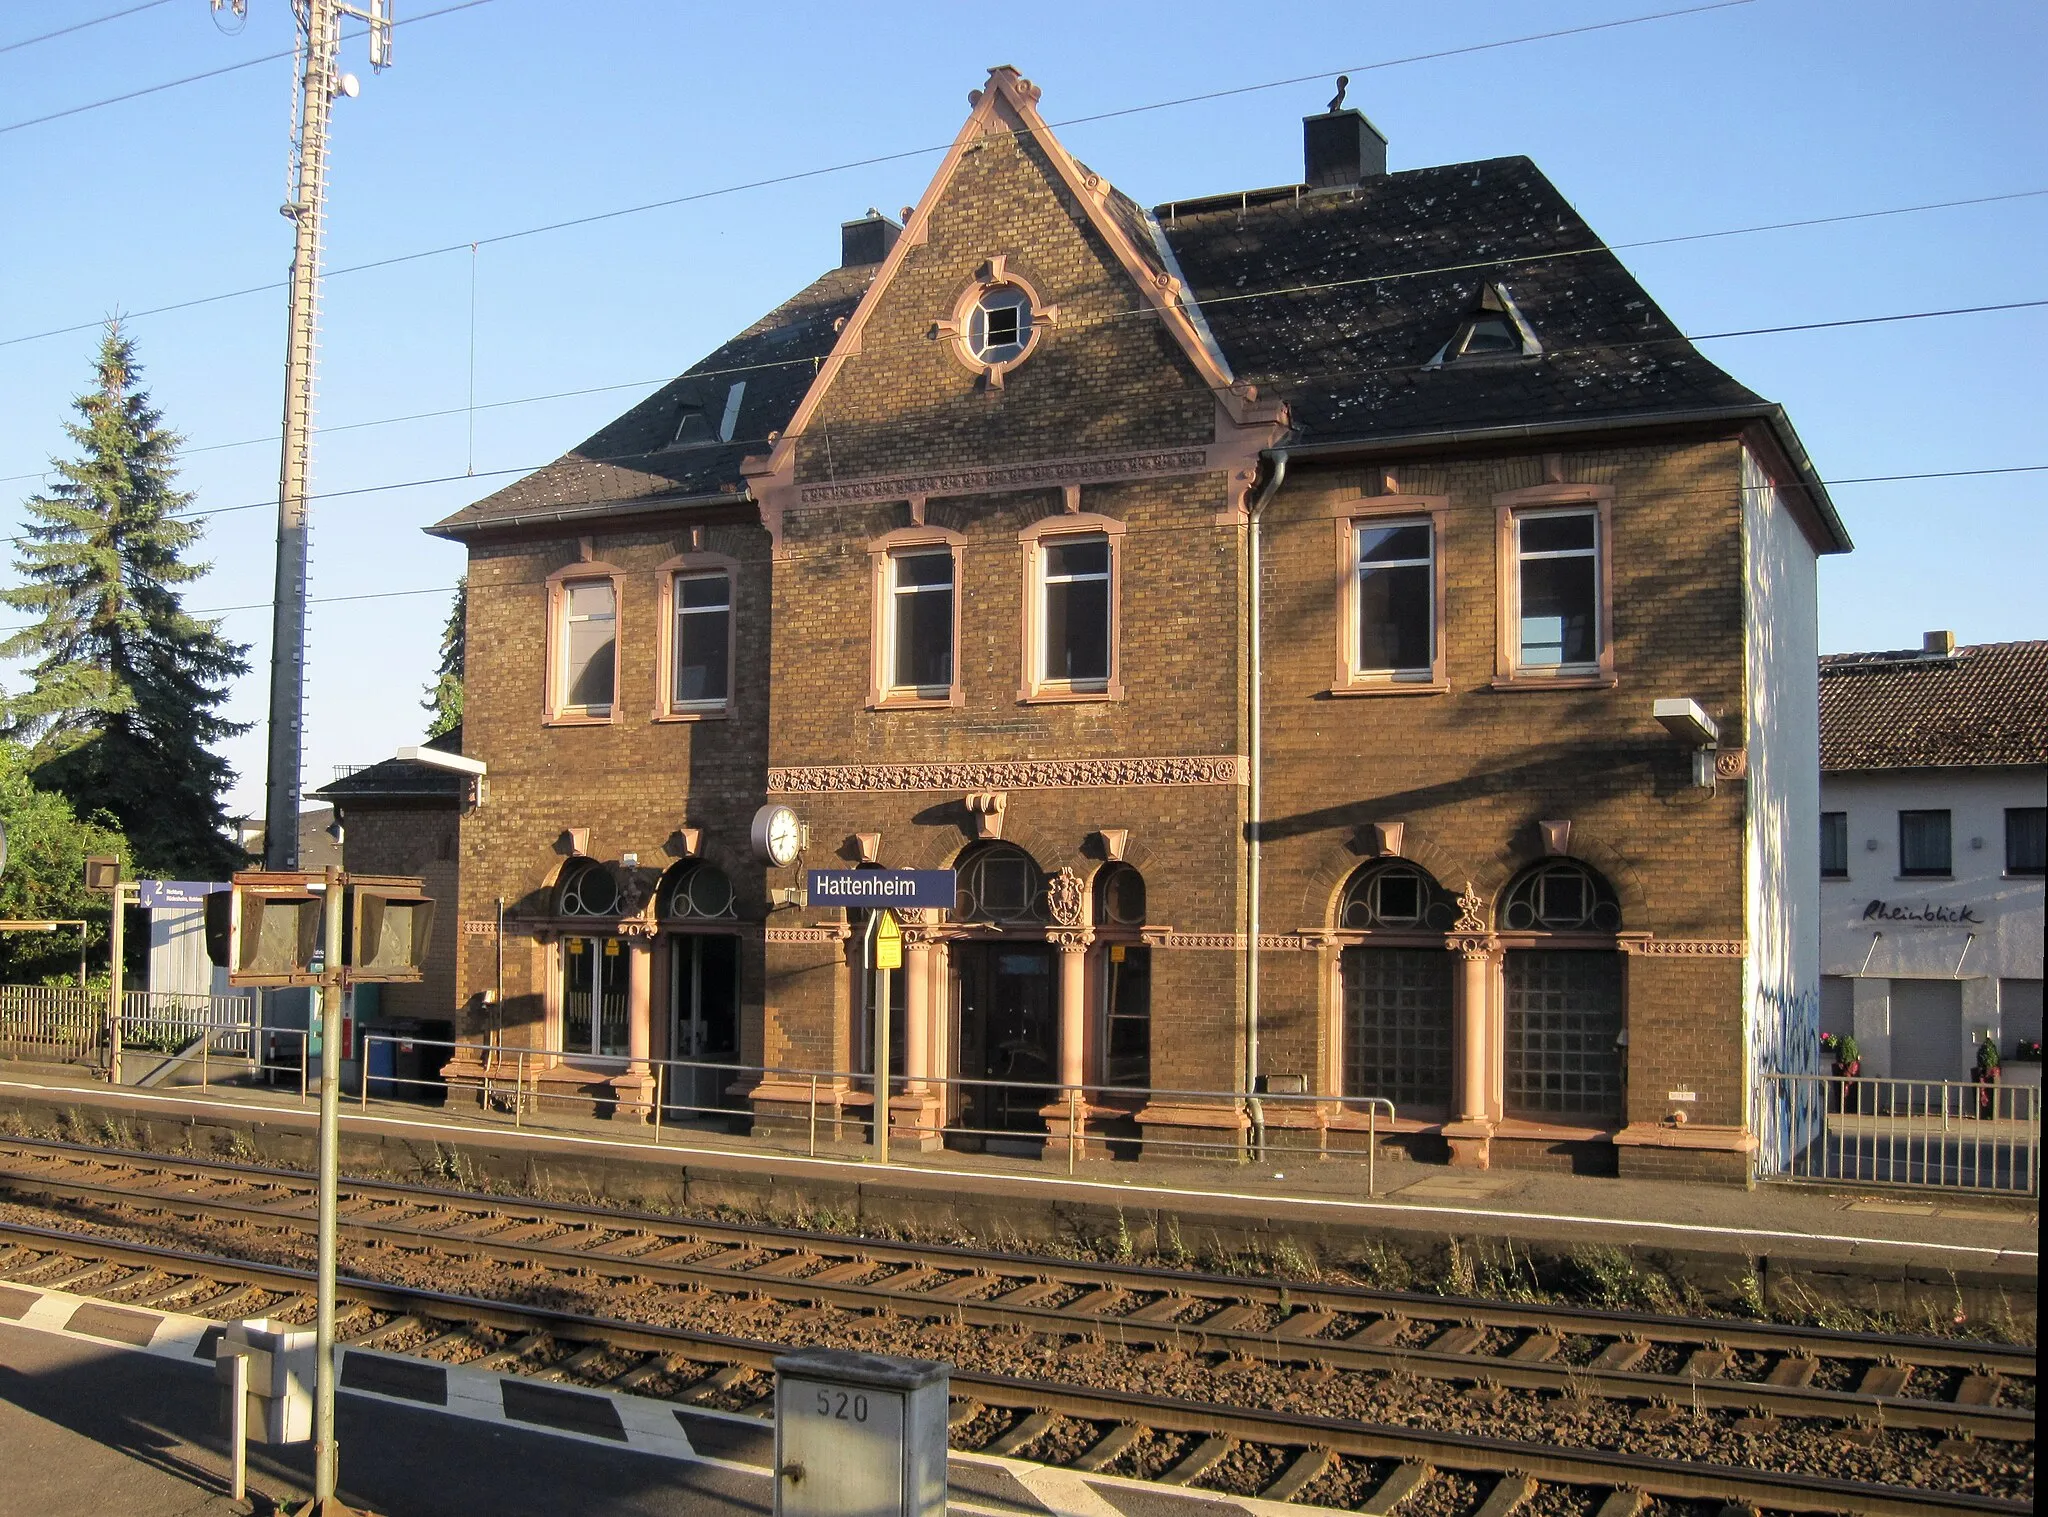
(1017, 774)
(1687, 948)
(1056, 471)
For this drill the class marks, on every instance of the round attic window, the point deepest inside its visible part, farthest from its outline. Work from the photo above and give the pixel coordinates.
(999, 326)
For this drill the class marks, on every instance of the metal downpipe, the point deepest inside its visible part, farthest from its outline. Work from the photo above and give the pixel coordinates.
(1255, 775)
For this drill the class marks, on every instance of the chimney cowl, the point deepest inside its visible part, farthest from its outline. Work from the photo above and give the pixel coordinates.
(867, 240)
(1937, 644)
(1340, 149)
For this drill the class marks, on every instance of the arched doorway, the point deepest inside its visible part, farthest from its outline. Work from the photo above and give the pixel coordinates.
(1126, 978)
(594, 984)
(1563, 1008)
(695, 904)
(1399, 1010)
(1004, 993)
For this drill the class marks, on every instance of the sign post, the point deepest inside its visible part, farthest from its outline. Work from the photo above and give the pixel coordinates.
(103, 872)
(886, 950)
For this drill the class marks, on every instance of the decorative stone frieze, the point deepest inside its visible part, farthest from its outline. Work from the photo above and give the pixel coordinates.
(1687, 948)
(1009, 774)
(1025, 476)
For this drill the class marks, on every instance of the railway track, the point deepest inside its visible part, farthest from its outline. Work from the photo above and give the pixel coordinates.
(1958, 1388)
(1277, 1456)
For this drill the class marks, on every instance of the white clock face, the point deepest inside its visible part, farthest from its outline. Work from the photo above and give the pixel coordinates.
(784, 836)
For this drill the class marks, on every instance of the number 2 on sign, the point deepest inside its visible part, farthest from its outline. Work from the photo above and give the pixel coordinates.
(843, 1406)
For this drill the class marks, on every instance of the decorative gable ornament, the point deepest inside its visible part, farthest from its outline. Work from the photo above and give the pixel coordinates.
(1493, 328)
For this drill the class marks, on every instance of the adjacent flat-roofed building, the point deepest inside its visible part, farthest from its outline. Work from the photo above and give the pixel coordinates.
(1345, 638)
(1933, 842)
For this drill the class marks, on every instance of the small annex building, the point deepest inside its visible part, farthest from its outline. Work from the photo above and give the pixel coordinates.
(1933, 849)
(1264, 601)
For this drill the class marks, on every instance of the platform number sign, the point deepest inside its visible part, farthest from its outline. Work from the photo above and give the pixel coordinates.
(859, 1436)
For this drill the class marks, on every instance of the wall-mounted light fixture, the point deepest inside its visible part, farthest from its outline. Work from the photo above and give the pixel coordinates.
(1684, 719)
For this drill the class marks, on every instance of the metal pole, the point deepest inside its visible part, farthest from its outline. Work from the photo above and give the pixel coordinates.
(117, 936)
(1073, 1125)
(238, 1427)
(813, 1150)
(324, 1453)
(881, 980)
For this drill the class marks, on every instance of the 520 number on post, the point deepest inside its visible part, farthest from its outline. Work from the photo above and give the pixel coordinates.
(843, 1406)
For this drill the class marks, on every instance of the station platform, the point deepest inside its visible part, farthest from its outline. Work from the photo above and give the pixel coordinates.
(1802, 1246)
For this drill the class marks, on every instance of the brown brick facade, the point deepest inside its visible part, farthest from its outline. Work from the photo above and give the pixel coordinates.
(1116, 415)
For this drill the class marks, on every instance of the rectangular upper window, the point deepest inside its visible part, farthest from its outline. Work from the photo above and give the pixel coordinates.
(1924, 846)
(1834, 845)
(919, 658)
(1394, 569)
(587, 676)
(1074, 610)
(2026, 840)
(1556, 587)
(702, 678)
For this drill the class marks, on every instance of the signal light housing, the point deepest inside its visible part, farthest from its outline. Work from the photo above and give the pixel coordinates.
(389, 924)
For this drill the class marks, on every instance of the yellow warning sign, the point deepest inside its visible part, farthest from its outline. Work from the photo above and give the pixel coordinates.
(888, 943)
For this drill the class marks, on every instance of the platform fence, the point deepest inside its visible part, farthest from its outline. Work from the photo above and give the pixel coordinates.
(70, 1024)
(1942, 1134)
(832, 1110)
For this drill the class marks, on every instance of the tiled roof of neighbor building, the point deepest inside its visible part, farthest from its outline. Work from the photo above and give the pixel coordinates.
(398, 779)
(1986, 704)
(1334, 301)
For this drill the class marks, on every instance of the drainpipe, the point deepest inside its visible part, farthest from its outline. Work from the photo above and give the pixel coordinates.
(1254, 763)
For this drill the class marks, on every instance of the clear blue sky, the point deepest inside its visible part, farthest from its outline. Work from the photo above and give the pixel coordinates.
(520, 112)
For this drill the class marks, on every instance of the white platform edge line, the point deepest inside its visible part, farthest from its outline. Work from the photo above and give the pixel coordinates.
(1395, 1209)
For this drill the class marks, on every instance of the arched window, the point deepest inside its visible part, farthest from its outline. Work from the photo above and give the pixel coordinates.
(699, 892)
(1563, 1014)
(1120, 897)
(588, 889)
(1560, 895)
(1396, 897)
(1398, 1002)
(1002, 883)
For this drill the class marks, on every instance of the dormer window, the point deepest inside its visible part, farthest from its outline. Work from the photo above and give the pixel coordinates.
(1493, 328)
(702, 421)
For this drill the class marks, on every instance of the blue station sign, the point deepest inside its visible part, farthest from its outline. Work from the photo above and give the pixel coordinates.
(152, 894)
(873, 888)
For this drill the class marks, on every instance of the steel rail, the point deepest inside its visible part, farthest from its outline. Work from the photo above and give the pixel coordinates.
(1457, 1451)
(1760, 1397)
(1733, 1333)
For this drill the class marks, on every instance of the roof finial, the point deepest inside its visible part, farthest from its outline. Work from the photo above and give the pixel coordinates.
(1337, 100)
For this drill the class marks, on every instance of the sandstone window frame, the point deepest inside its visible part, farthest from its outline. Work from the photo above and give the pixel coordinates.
(967, 336)
(556, 708)
(697, 565)
(1348, 517)
(884, 553)
(1034, 687)
(1511, 509)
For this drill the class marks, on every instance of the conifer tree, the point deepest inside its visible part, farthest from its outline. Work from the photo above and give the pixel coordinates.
(444, 696)
(124, 710)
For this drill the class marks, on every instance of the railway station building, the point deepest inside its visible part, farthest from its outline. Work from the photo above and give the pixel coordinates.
(1349, 643)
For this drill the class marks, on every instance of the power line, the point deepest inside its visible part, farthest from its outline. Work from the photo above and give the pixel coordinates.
(1295, 289)
(212, 73)
(837, 168)
(79, 26)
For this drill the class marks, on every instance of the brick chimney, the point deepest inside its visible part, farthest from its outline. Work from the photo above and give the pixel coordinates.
(867, 240)
(1341, 148)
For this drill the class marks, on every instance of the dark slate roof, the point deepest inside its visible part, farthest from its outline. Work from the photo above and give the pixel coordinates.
(630, 461)
(1986, 704)
(402, 779)
(1333, 301)
(1346, 342)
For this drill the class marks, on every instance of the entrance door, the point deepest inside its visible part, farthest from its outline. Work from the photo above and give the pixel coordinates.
(1927, 1030)
(704, 1019)
(1007, 1033)
(593, 996)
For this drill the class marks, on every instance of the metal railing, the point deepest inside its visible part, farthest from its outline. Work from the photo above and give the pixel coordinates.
(537, 1088)
(1951, 1134)
(70, 1023)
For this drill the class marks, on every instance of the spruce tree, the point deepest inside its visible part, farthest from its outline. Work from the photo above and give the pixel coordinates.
(444, 696)
(124, 710)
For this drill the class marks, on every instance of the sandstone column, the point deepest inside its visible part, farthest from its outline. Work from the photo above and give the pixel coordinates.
(1073, 947)
(917, 1009)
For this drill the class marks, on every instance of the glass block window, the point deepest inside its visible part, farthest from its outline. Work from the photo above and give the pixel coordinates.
(1397, 1025)
(1563, 1020)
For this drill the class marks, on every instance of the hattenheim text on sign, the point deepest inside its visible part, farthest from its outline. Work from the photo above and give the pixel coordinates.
(883, 887)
